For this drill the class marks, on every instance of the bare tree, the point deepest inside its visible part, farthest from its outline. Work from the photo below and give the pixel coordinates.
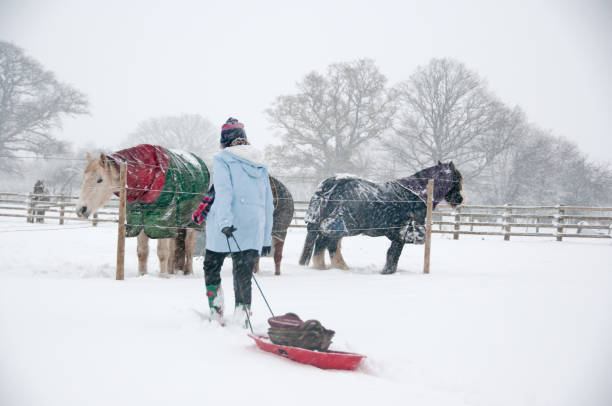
(32, 103)
(543, 169)
(522, 174)
(188, 132)
(328, 122)
(447, 113)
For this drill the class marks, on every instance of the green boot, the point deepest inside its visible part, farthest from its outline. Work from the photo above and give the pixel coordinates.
(214, 293)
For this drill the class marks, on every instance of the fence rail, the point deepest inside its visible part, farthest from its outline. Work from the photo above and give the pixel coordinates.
(524, 221)
(37, 206)
(512, 221)
(555, 221)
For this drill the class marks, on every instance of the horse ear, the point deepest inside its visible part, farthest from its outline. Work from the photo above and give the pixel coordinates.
(452, 165)
(103, 159)
(88, 156)
(439, 163)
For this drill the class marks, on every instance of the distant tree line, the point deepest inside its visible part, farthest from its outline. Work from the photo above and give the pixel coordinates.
(348, 119)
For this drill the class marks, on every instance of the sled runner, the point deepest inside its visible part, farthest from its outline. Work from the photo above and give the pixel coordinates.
(324, 360)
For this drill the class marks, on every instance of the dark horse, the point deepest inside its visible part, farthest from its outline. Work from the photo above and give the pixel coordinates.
(347, 206)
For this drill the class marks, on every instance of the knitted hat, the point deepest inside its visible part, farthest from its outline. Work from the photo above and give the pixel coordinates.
(231, 130)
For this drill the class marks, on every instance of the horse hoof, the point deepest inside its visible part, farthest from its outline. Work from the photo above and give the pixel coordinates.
(164, 275)
(188, 273)
(387, 271)
(277, 273)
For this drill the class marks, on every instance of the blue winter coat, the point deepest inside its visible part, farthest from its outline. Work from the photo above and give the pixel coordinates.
(243, 198)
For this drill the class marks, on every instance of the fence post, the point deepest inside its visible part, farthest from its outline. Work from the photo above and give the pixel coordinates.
(62, 207)
(560, 221)
(430, 188)
(457, 221)
(507, 222)
(30, 219)
(121, 226)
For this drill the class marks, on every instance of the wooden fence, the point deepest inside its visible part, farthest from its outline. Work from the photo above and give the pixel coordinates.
(61, 208)
(524, 221)
(505, 221)
(512, 221)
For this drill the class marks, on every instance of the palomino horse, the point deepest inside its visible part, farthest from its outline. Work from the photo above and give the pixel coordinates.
(100, 181)
(347, 206)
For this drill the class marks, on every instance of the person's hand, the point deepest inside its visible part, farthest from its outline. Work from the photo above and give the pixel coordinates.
(265, 251)
(228, 231)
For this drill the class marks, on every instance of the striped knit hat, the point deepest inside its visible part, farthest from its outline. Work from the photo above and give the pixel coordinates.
(231, 130)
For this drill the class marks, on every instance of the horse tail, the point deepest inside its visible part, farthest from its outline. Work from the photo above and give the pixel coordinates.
(309, 242)
(316, 206)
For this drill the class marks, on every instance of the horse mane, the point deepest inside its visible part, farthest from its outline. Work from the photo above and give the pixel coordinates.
(443, 176)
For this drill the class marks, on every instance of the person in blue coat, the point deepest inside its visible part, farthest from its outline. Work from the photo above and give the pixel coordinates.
(239, 221)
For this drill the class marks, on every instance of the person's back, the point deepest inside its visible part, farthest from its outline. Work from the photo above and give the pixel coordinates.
(239, 221)
(241, 195)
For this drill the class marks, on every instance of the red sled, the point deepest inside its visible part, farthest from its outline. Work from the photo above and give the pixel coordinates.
(324, 360)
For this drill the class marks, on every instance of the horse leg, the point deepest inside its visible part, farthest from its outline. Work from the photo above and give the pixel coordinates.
(335, 253)
(256, 266)
(163, 253)
(190, 244)
(318, 259)
(339, 255)
(142, 249)
(393, 254)
(171, 261)
(278, 254)
(179, 251)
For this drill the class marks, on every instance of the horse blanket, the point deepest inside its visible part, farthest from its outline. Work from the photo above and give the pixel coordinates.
(164, 188)
(348, 205)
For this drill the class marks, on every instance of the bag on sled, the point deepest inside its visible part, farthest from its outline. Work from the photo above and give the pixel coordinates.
(290, 330)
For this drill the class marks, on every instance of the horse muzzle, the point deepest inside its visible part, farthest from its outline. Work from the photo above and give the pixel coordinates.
(82, 211)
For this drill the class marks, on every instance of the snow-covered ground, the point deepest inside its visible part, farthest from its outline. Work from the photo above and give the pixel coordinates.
(524, 322)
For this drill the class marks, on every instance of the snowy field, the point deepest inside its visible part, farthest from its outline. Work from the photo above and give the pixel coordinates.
(525, 322)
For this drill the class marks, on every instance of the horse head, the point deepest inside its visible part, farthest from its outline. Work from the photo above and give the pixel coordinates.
(454, 196)
(99, 179)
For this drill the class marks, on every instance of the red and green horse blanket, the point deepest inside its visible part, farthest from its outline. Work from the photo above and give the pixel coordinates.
(164, 187)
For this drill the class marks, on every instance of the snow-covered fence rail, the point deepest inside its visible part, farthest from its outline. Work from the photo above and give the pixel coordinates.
(41, 207)
(512, 221)
(532, 221)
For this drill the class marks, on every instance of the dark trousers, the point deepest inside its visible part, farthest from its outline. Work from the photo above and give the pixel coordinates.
(243, 263)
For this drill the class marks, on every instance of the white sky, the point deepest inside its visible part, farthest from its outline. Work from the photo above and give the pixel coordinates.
(139, 59)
